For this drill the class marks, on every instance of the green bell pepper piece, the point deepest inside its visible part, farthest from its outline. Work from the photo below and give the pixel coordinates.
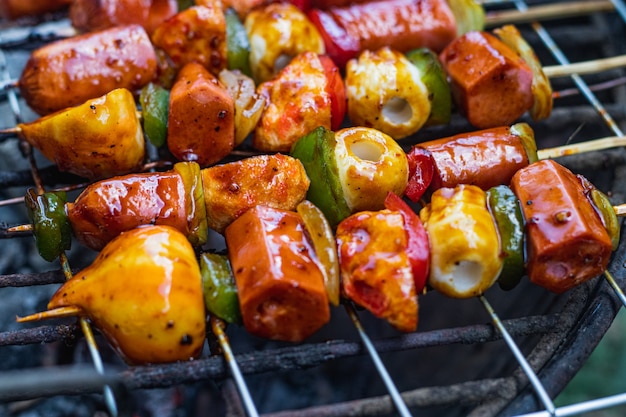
(435, 79)
(185, 4)
(237, 43)
(505, 209)
(155, 103)
(220, 292)
(51, 227)
(316, 152)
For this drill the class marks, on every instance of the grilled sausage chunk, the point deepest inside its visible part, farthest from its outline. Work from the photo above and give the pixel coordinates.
(400, 24)
(71, 71)
(109, 207)
(201, 120)
(491, 85)
(567, 242)
(484, 158)
(280, 284)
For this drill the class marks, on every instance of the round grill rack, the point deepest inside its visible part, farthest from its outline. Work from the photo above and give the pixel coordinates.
(505, 354)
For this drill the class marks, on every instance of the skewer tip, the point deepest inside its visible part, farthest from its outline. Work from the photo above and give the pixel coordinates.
(61, 312)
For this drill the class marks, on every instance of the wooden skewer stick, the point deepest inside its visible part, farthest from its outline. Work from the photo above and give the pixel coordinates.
(582, 147)
(548, 12)
(620, 210)
(585, 67)
(219, 329)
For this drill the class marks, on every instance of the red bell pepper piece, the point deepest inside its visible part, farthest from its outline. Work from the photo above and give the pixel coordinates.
(421, 171)
(303, 5)
(336, 90)
(339, 46)
(418, 248)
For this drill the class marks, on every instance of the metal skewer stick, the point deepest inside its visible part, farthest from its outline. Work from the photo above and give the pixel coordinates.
(217, 326)
(399, 403)
(620, 7)
(532, 376)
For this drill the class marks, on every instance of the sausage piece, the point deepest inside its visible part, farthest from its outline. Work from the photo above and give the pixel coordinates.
(201, 120)
(109, 207)
(484, 158)
(71, 71)
(400, 24)
(567, 243)
(490, 84)
(280, 285)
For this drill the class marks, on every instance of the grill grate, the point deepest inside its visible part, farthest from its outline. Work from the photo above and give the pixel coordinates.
(456, 364)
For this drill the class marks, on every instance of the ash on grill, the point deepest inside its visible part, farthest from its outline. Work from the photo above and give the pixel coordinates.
(454, 366)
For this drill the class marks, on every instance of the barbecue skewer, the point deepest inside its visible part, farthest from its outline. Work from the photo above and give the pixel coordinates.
(554, 71)
(492, 18)
(592, 145)
(15, 83)
(84, 323)
(118, 166)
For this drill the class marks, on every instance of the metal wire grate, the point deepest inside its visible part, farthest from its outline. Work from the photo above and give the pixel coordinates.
(463, 359)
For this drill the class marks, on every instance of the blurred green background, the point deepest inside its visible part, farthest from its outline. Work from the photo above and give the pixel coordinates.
(603, 374)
